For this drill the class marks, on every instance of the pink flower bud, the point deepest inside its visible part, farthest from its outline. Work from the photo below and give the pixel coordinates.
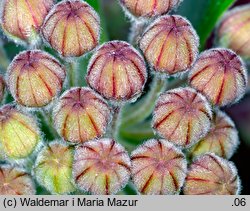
(2, 88)
(19, 133)
(101, 167)
(15, 181)
(182, 116)
(212, 175)
(21, 19)
(220, 75)
(81, 115)
(158, 167)
(222, 139)
(233, 30)
(170, 44)
(149, 8)
(117, 71)
(53, 168)
(72, 28)
(35, 78)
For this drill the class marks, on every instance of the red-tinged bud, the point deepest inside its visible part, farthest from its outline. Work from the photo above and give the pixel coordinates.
(101, 167)
(19, 132)
(149, 8)
(117, 71)
(233, 30)
(182, 116)
(35, 78)
(212, 175)
(72, 28)
(158, 167)
(2, 88)
(15, 181)
(220, 75)
(21, 19)
(81, 115)
(170, 44)
(222, 139)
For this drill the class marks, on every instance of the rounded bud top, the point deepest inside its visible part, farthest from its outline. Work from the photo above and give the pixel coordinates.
(101, 167)
(212, 175)
(117, 71)
(53, 168)
(35, 78)
(220, 75)
(2, 88)
(22, 19)
(170, 44)
(233, 30)
(15, 181)
(158, 167)
(72, 28)
(19, 132)
(149, 8)
(81, 115)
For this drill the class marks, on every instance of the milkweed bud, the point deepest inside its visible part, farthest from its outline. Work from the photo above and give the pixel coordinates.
(2, 88)
(53, 168)
(35, 78)
(212, 175)
(182, 116)
(19, 133)
(15, 181)
(72, 28)
(101, 167)
(222, 139)
(21, 19)
(170, 44)
(117, 71)
(158, 167)
(220, 75)
(233, 31)
(81, 115)
(149, 8)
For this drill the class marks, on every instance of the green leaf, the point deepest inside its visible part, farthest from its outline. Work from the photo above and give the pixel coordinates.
(204, 15)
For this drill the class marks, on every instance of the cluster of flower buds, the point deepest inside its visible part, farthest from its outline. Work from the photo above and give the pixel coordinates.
(2, 88)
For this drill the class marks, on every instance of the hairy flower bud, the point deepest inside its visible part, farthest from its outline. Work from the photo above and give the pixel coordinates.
(117, 71)
(220, 75)
(21, 19)
(170, 44)
(81, 115)
(35, 78)
(53, 168)
(182, 116)
(158, 167)
(101, 167)
(72, 28)
(149, 8)
(212, 175)
(233, 31)
(19, 133)
(15, 181)
(222, 139)
(2, 88)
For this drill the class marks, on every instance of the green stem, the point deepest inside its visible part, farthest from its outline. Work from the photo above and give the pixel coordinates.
(72, 74)
(115, 125)
(4, 61)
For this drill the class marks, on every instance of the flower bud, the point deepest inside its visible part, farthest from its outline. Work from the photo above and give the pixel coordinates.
(2, 88)
(158, 167)
(220, 75)
(117, 71)
(81, 115)
(222, 139)
(149, 8)
(15, 181)
(19, 133)
(182, 116)
(212, 175)
(72, 28)
(233, 31)
(101, 167)
(35, 78)
(53, 168)
(170, 44)
(21, 19)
